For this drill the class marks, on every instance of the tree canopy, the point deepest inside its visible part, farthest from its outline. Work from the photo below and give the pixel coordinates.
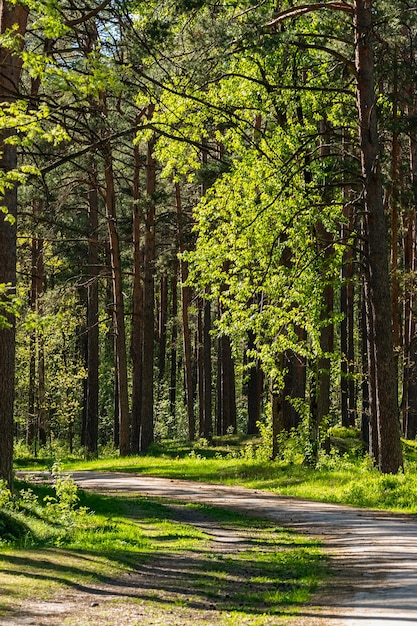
(208, 206)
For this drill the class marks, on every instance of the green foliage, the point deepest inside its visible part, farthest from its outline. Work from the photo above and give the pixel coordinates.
(10, 303)
(5, 495)
(238, 112)
(55, 331)
(62, 509)
(398, 492)
(28, 126)
(344, 433)
(26, 520)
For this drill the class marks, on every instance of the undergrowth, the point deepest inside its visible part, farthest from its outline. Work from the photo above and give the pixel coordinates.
(345, 474)
(28, 519)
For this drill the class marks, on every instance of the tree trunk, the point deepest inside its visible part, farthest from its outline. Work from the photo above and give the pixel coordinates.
(136, 346)
(379, 318)
(409, 399)
(32, 422)
(254, 391)
(277, 421)
(326, 250)
(147, 410)
(186, 335)
(295, 365)
(294, 386)
(200, 367)
(394, 202)
(162, 334)
(173, 352)
(42, 419)
(228, 388)
(118, 304)
(219, 401)
(347, 327)
(91, 412)
(208, 420)
(10, 15)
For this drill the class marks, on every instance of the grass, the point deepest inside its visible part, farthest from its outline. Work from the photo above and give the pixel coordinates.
(346, 478)
(275, 572)
(340, 478)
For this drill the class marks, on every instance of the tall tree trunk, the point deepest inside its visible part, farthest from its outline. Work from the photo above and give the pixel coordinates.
(136, 346)
(326, 249)
(294, 385)
(36, 288)
(347, 327)
(200, 367)
(393, 202)
(10, 15)
(36, 431)
(118, 304)
(163, 319)
(91, 412)
(147, 410)
(254, 390)
(228, 388)
(277, 419)
(379, 317)
(295, 365)
(186, 335)
(173, 352)
(393, 197)
(409, 399)
(320, 383)
(219, 401)
(32, 422)
(347, 308)
(42, 415)
(31, 430)
(204, 368)
(208, 419)
(206, 372)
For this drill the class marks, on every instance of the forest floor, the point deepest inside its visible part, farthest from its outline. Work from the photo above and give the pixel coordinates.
(373, 557)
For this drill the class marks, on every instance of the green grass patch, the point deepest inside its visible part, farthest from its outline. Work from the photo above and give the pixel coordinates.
(273, 575)
(346, 478)
(340, 477)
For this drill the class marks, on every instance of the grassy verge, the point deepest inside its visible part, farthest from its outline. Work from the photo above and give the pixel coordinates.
(341, 478)
(78, 550)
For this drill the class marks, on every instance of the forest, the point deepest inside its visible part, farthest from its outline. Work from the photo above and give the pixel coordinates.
(208, 223)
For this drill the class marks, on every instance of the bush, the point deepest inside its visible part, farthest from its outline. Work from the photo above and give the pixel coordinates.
(63, 509)
(341, 432)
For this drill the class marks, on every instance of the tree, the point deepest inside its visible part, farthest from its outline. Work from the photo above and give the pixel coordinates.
(13, 20)
(91, 410)
(383, 388)
(261, 136)
(185, 304)
(147, 410)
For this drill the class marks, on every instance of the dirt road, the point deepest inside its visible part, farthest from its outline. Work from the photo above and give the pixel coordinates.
(374, 553)
(374, 557)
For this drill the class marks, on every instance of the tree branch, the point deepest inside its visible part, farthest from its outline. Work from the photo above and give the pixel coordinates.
(295, 12)
(85, 18)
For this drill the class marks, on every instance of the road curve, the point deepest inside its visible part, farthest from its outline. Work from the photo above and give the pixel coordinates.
(375, 552)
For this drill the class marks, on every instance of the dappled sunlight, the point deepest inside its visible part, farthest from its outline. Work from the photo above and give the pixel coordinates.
(197, 564)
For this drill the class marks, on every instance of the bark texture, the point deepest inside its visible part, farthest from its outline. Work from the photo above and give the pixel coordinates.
(10, 15)
(383, 382)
